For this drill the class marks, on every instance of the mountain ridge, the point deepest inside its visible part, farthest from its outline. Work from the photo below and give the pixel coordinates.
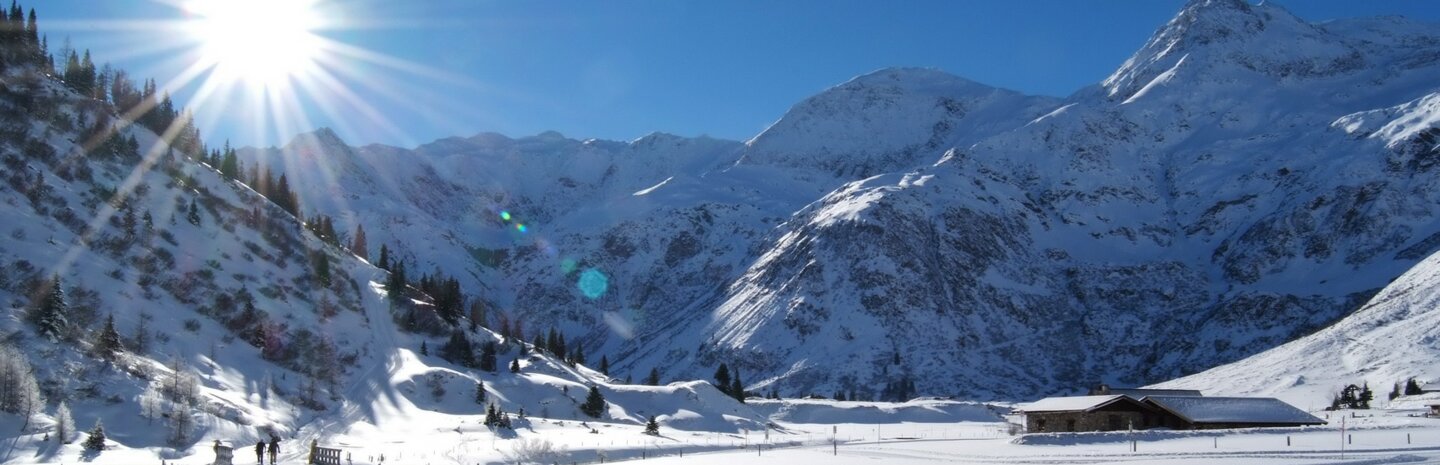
(1186, 195)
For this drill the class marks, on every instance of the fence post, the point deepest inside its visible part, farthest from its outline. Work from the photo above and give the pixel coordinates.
(1287, 440)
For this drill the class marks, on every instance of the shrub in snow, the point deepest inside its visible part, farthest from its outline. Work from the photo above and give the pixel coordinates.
(535, 451)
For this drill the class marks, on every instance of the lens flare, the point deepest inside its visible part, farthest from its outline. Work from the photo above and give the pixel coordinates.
(619, 324)
(521, 227)
(504, 216)
(593, 283)
(568, 266)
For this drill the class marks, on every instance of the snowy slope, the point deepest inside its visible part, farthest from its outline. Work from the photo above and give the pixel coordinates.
(228, 326)
(1390, 339)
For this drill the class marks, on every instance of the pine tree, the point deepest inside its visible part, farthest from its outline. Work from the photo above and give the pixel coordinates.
(286, 198)
(128, 221)
(193, 216)
(107, 344)
(477, 315)
(1365, 397)
(424, 350)
(605, 365)
(52, 315)
(230, 163)
(384, 262)
(395, 285)
(141, 341)
(487, 357)
(594, 405)
(1394, 393)
(322, 269)
(480, 392)
(737, 389)
(652, 427)
(64, 424)
(358, 245)
(491, 417)
(652, 380)
(458, 350)
(96, 441)
(722, 378)
(515, 365)
(1412, 388)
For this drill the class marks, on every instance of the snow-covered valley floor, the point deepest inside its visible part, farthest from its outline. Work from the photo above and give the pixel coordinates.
(866, 434)
(1382, 437)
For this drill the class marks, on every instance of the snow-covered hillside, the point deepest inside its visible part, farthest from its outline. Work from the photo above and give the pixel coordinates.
(1245, 178)
(147, 291)
(1390, 339)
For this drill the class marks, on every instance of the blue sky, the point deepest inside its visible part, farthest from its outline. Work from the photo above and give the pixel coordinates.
(624, 68)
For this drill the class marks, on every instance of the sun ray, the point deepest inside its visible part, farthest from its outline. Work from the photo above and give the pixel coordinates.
(102, 217)
(437, 109)
(349, 97)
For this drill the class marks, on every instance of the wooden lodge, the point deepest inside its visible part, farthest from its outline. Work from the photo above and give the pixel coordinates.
(1089, 413)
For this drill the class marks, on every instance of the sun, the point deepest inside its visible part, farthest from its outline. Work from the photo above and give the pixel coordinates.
(263, 43)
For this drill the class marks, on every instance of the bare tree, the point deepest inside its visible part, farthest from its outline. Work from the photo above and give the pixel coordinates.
(19, 391)
(536, 451)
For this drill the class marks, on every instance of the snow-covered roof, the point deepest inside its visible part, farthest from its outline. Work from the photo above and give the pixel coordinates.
(1233, 410)
(1070, 404)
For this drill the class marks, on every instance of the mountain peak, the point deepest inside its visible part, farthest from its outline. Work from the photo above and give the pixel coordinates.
(885, 120)
(318, 139)
(1236, 35)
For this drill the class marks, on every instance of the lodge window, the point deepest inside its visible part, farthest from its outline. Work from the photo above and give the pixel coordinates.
(1070, 425)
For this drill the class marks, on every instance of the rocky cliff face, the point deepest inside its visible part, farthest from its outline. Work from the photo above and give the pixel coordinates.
(1245, 178)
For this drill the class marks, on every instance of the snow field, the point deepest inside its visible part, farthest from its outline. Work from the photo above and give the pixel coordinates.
(1379, 438)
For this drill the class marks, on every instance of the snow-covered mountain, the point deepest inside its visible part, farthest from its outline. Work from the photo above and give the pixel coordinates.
(1245, 178)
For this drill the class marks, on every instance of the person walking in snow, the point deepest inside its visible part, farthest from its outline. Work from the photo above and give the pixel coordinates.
(260, 452)
(274, 448)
